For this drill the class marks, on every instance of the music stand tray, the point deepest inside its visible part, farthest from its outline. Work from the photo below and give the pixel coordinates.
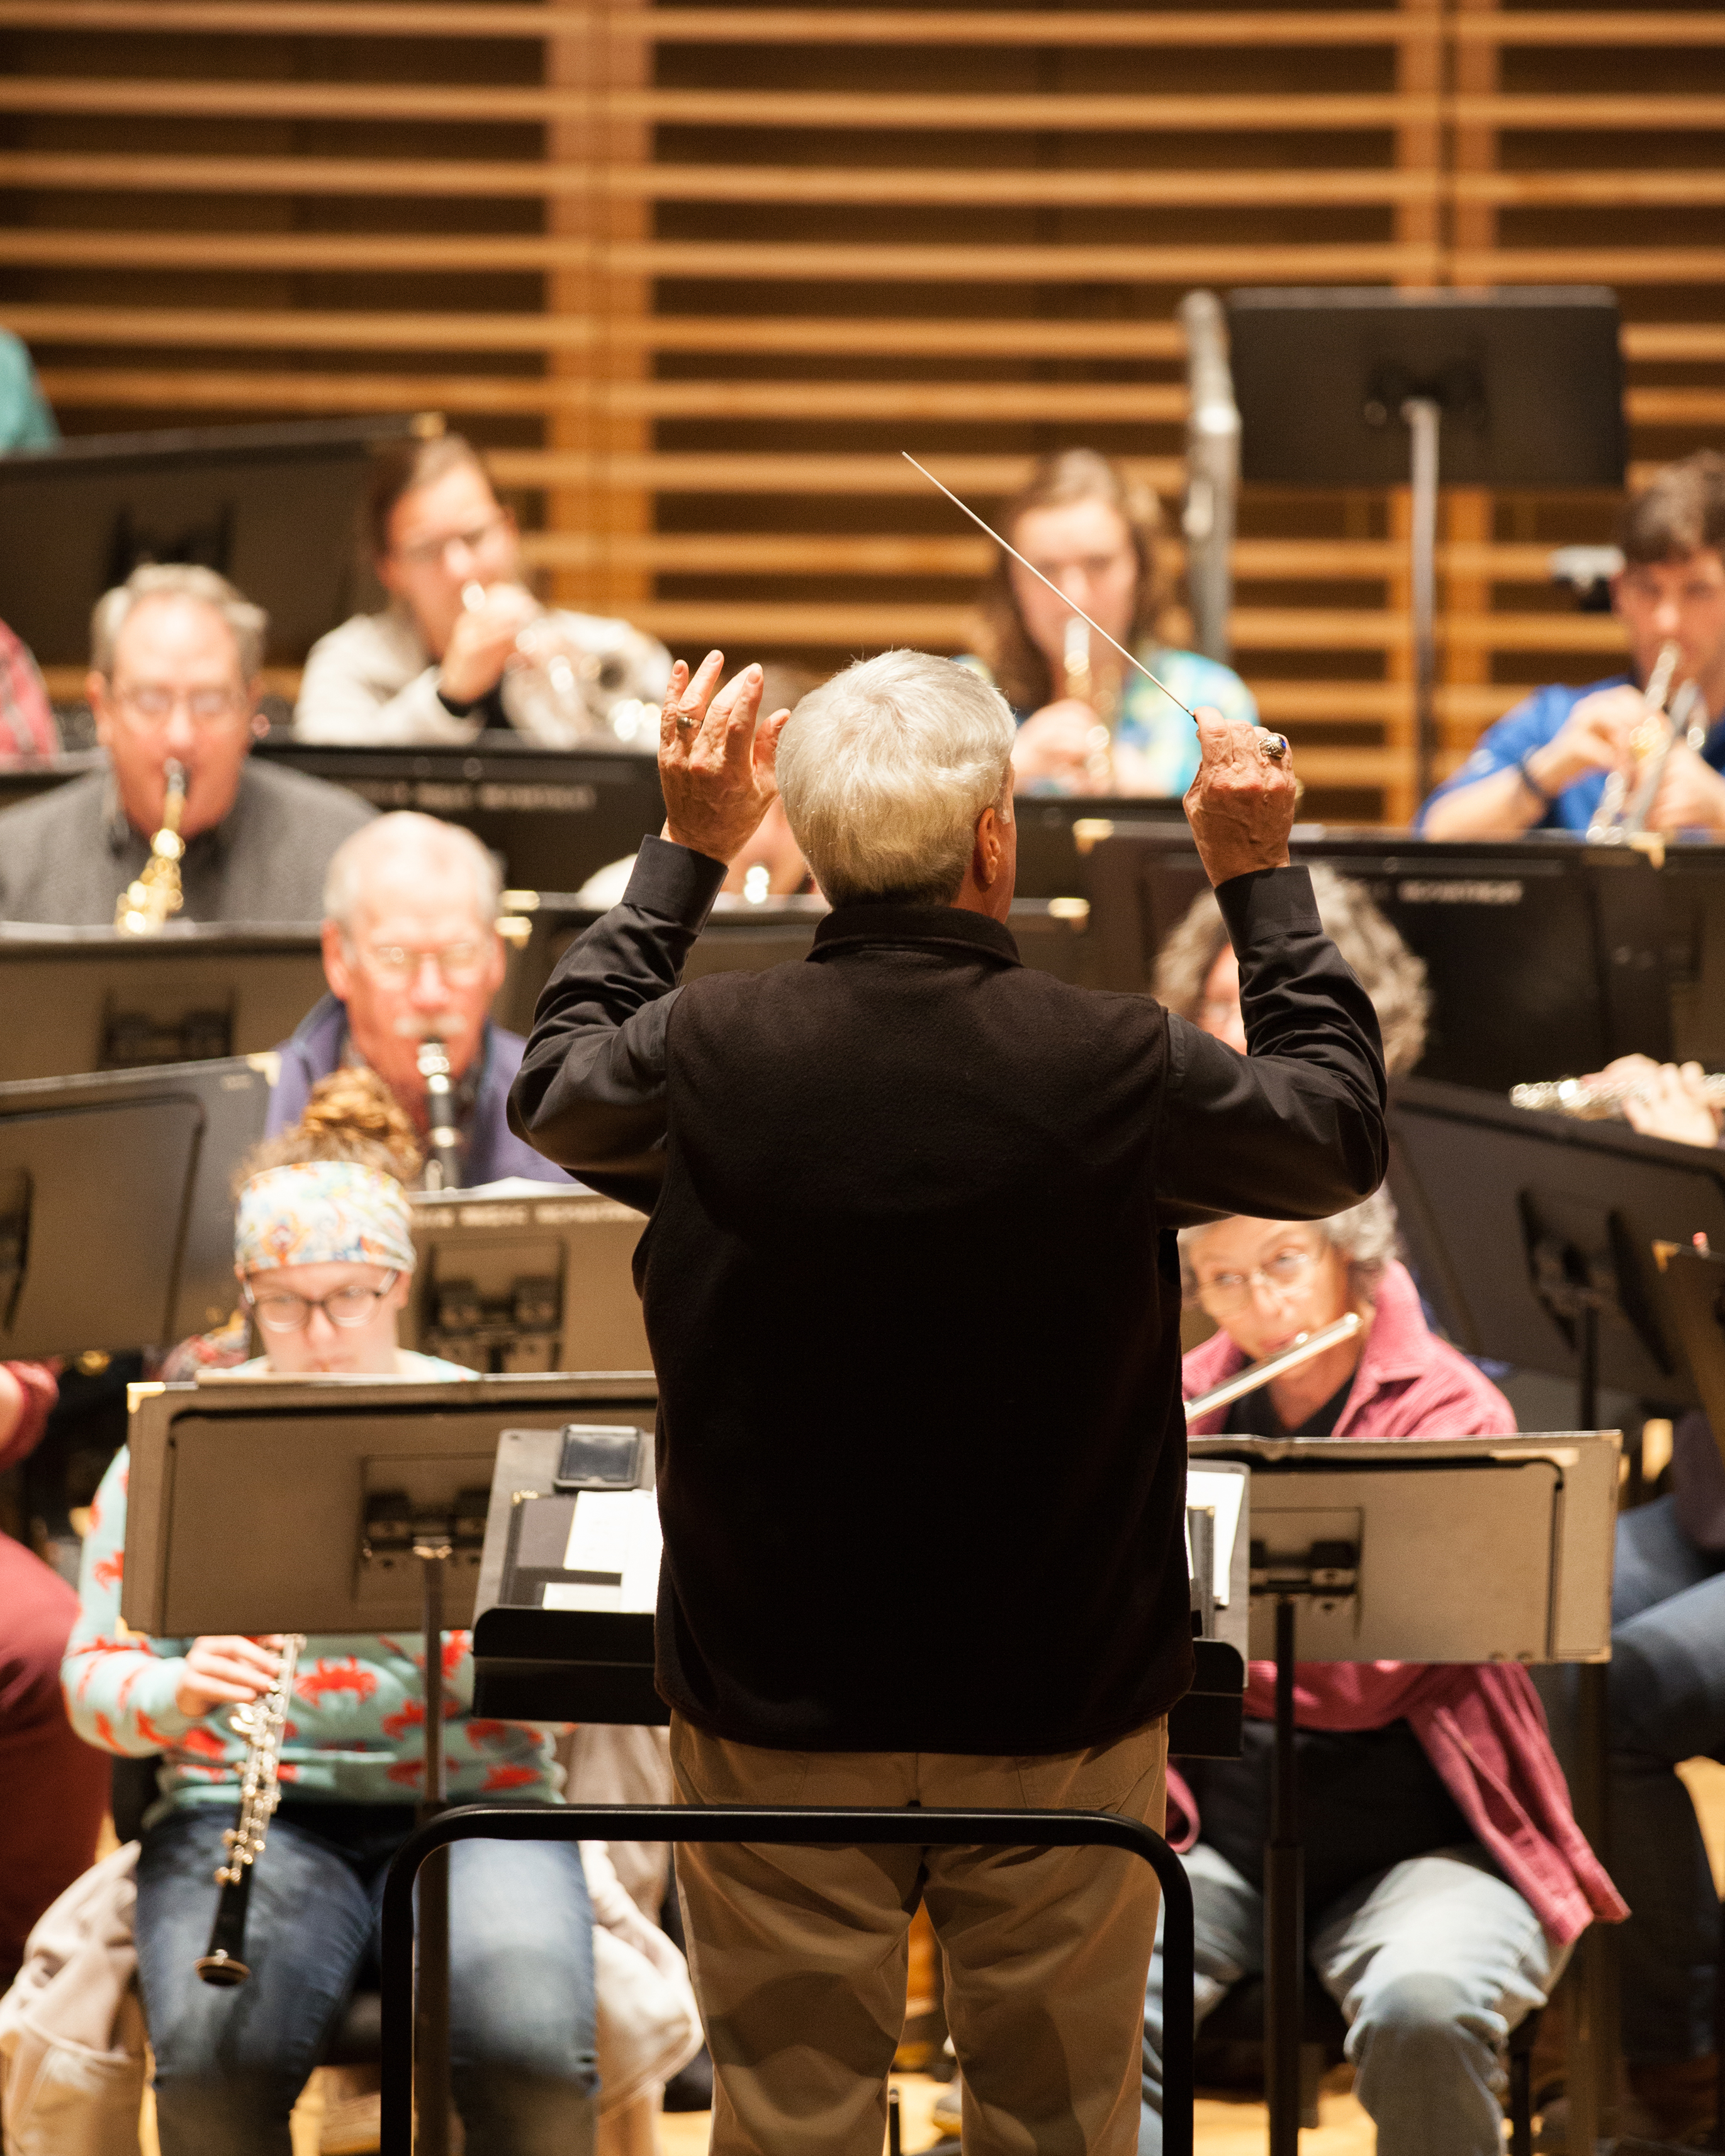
(1427, 1550)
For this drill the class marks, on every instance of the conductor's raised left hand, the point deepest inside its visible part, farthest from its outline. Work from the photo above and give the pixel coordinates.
(716, 757)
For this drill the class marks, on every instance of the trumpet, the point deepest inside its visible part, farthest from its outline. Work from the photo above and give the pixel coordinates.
(1308, 1345)
(263, 1724)
(442, 1171)
(143, 907)
(570, 684)
(1629, 797)
(1592, 1099)
(1078, 680)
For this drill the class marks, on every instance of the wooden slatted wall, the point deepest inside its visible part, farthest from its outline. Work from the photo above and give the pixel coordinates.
(696, 274)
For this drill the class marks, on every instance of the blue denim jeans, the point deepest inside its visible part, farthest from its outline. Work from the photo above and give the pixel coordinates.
(1667, 1704)
(1432, 1963)
(229, 2064)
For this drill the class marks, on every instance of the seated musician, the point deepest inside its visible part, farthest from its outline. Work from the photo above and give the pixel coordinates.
(1544, 765)
(1197, 976)
(55, 1789)
(27, 725)
(174, 657)
(1446, 1878)
(1093, 530)
(411, 953)
(435, 665)
(323, 1250)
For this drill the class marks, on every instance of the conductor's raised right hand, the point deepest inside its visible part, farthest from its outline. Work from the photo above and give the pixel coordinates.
(1240, 804)
(225, 1666)
(716, 757)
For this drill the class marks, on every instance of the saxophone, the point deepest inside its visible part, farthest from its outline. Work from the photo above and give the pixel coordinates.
(262, 1724)
(143, 907)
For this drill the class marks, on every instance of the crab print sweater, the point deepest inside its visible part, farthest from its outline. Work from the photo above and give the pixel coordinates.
(356, 1733)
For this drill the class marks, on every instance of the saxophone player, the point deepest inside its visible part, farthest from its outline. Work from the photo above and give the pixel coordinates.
(176, 653)
(324, 1251)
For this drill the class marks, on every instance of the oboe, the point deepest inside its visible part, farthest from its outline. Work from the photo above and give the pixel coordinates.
(262, 1723)
(442, 1171)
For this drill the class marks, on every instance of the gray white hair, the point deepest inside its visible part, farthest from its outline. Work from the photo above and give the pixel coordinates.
(247, 625)
(885, 771)
(1389, 972)
(1366, 1235)
(436, 849)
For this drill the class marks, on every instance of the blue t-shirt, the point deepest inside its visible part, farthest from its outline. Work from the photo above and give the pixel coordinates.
(1535, 721)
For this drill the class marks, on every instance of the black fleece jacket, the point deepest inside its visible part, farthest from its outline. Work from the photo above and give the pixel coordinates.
(910, 1284)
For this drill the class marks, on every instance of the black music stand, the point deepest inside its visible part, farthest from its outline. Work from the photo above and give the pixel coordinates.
(376, 1494)
(271, 507)
(1456, 1550)
(116, 1219)
(100, 999)
(1350, 386)
(1532, 1234)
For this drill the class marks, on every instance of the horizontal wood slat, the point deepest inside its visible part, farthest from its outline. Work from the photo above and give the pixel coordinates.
(502, 254)
(720, 108)
(978, 479)
(1105, 187)
(868, 26)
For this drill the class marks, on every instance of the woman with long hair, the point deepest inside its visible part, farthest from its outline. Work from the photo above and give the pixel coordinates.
(1088, 722)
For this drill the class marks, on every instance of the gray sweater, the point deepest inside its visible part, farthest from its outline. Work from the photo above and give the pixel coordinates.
(66, 856)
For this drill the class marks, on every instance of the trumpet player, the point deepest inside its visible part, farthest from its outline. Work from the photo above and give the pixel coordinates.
(1545, 765)
(1086, 723)
(1446, 1878)
(434, 666)
(175, 654)
(324, 1251)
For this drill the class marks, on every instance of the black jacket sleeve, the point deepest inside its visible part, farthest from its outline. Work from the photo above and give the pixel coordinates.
(1293, 1130)
(590, 1092)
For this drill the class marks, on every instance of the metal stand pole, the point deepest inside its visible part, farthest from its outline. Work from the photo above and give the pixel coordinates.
(1592, 2047)
(1422, 415)
(431, 2043)
(1284, 1909)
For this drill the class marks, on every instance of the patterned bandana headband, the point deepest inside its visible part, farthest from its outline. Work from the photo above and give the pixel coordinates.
(322, 1212)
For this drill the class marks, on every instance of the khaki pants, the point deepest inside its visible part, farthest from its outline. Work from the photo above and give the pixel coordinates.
(799, 1955)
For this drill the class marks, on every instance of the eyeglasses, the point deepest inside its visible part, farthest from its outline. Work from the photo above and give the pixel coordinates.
(148, 704)
(459, 964)
(349, 1307)
(1287, 1272)
(425, 553)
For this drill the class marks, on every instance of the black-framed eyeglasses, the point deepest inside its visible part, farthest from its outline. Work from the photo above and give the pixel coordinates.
(278, 1311)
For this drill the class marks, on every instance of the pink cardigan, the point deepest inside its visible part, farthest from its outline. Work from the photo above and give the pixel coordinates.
(1482, 1727)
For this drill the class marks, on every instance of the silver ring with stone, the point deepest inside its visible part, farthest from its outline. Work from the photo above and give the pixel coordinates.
(1272, 747)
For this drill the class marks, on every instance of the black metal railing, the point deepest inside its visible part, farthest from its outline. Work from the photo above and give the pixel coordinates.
(796, 1825)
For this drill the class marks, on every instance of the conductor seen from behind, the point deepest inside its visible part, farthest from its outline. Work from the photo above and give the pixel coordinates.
(912, 1226)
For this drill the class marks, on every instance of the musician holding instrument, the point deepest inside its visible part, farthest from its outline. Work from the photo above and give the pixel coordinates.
(1088, 723)
(413, 959)
(1446, 1878)
(175, 654)
(464, 645)
(323, 1250)
(1550, 763)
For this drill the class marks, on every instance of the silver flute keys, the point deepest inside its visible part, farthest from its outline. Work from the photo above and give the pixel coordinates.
(1592, 1099)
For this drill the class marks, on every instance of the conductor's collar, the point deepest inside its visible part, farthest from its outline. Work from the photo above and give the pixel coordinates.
(937, 927)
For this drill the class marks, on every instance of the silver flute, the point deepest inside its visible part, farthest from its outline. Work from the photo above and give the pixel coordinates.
(1303, 1350)
(262, 1723)
(1594, 1099)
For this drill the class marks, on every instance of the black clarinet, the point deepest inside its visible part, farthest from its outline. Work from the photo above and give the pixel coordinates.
(262, 1724)
(442, 1171)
